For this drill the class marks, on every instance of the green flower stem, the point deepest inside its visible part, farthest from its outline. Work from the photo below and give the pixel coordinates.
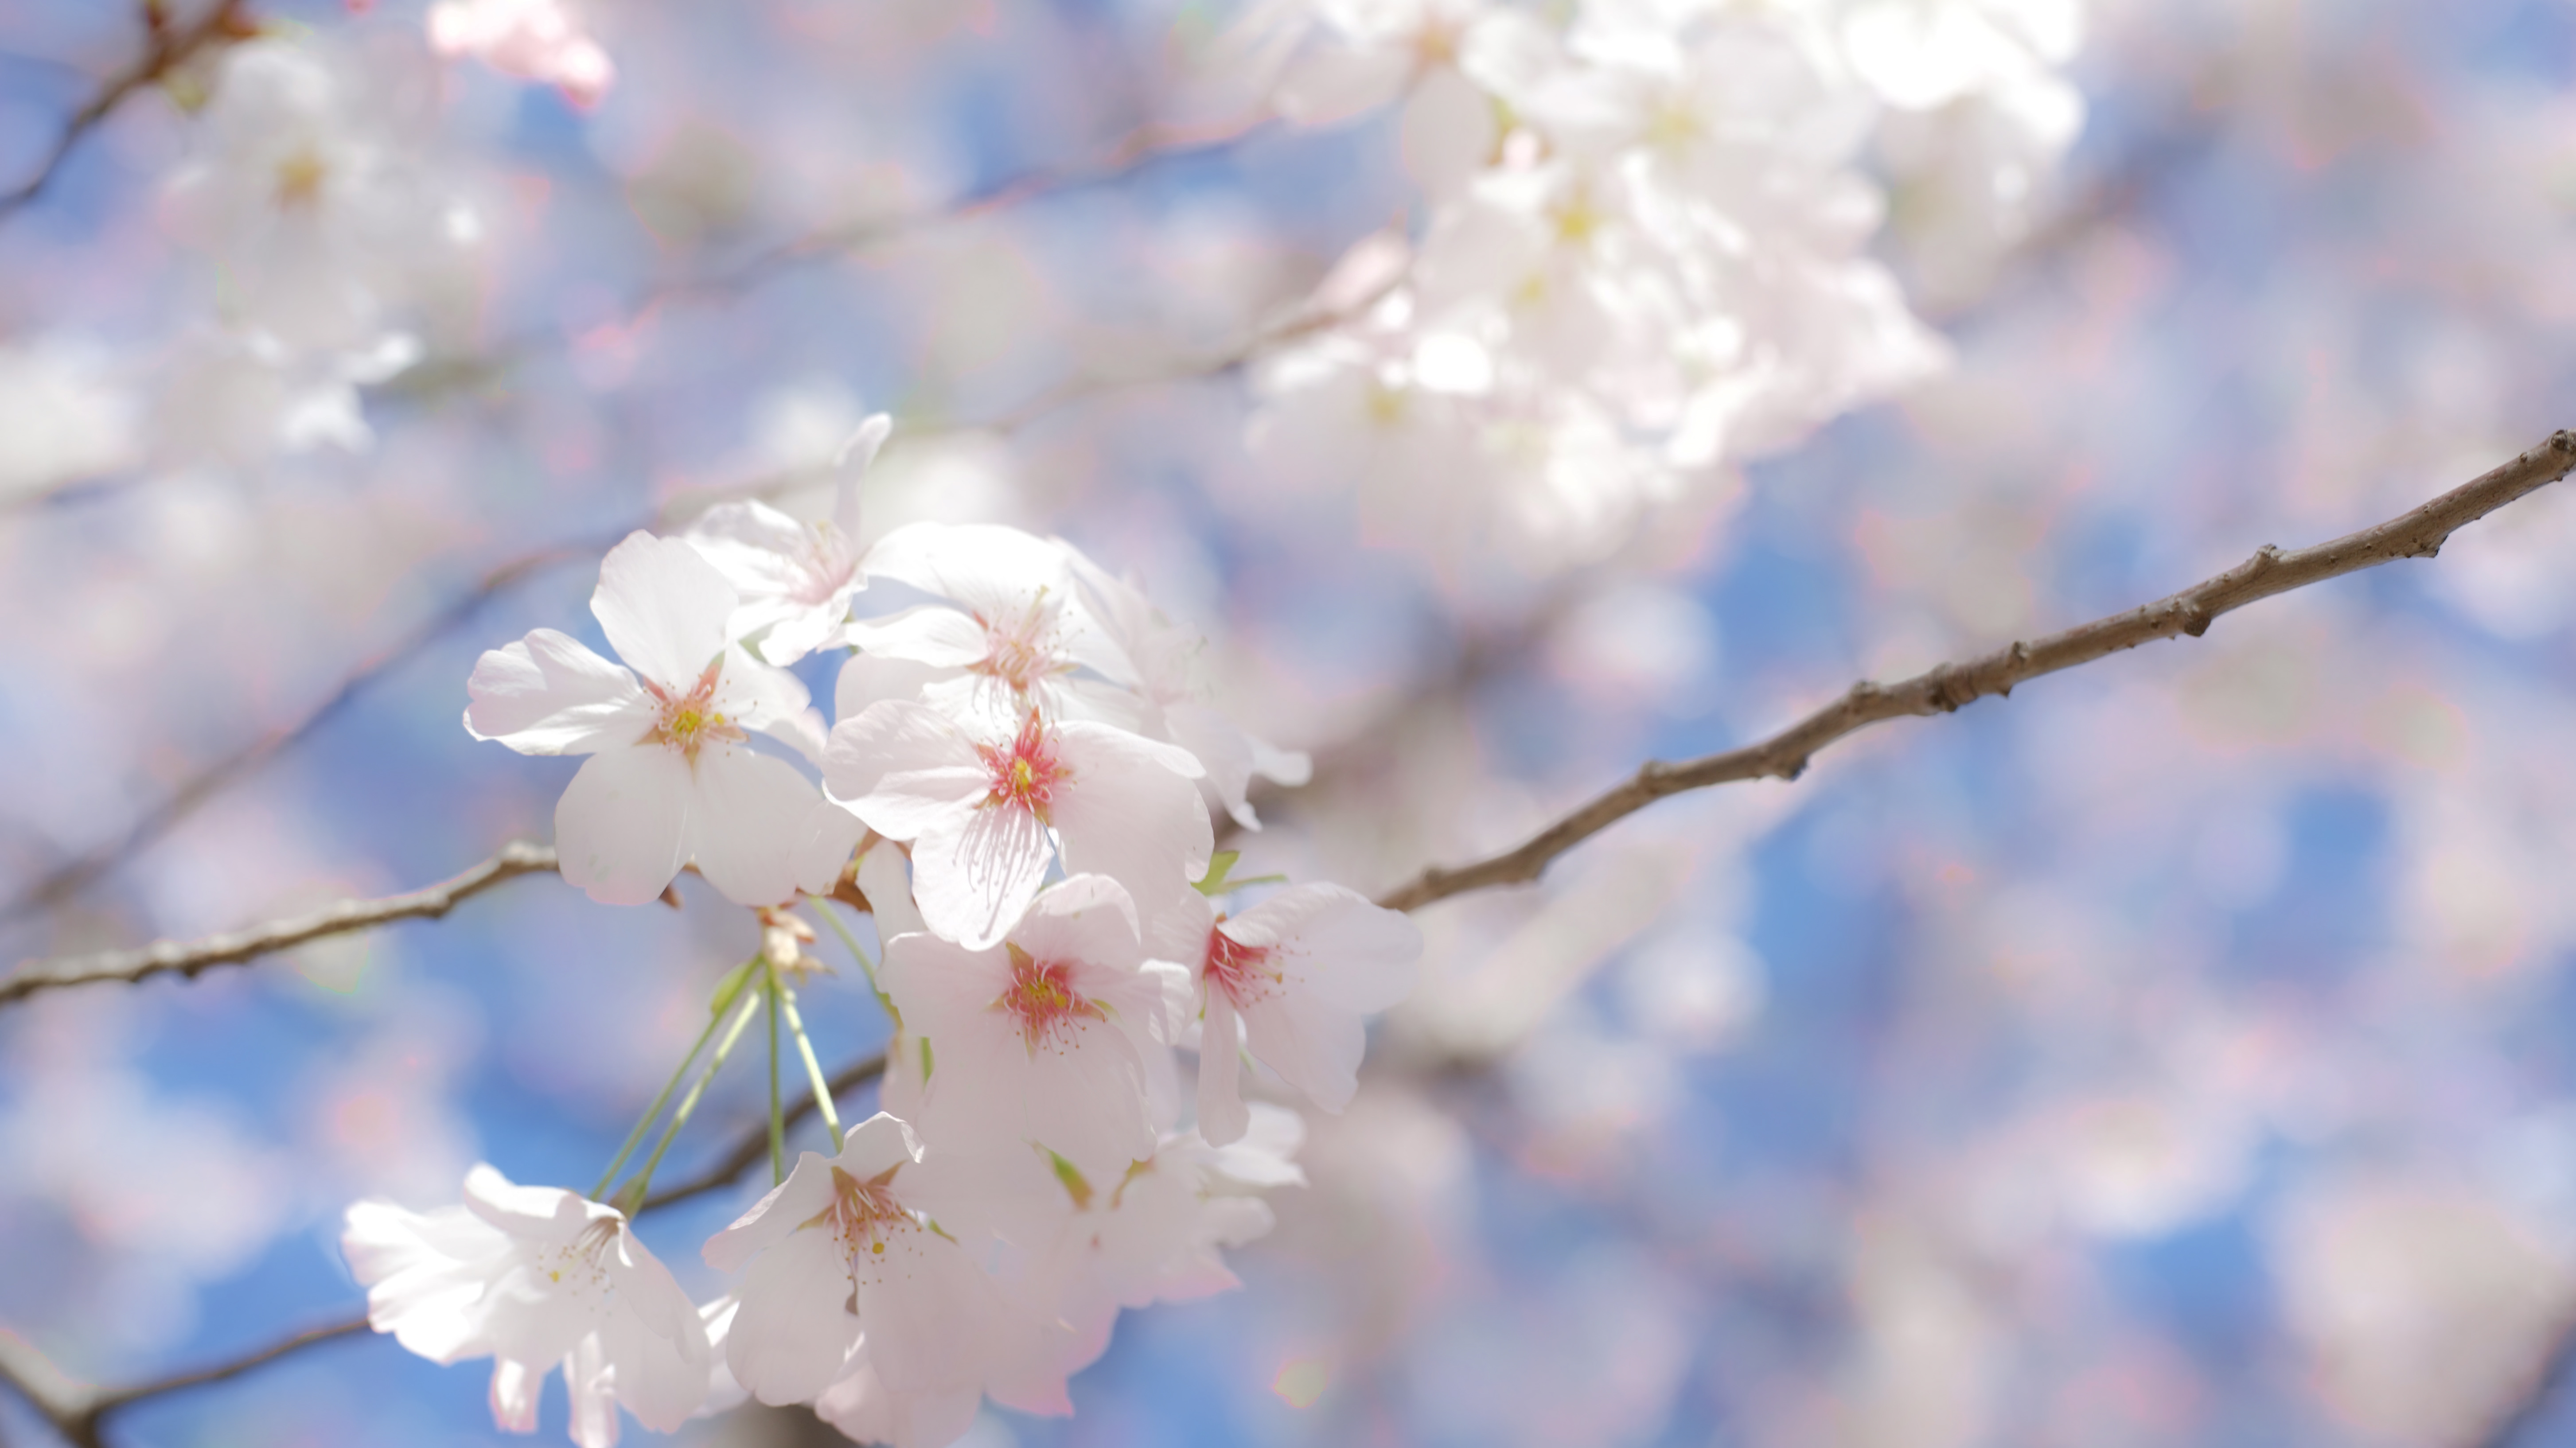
(645, 1122)
(777, 1116)
(633, 1193)
(832, 918)
(813, 1068)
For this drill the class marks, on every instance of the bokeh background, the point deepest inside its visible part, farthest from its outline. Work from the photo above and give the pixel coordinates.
(2177, 1052)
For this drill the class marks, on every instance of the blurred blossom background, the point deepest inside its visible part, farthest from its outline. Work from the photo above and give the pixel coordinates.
(2177, 1052)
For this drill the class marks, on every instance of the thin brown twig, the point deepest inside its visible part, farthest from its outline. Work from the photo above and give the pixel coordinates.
(242, 946)
(1946, 687)
(166, 47)
(80, 1416)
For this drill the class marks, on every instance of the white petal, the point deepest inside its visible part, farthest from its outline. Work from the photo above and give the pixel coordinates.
(867, 1411)
(1088, 919)
(793, 1329)
(974, 872)
(758, 696)
(1222, 1118)
(515, 1389)
(807, 1190)
(536, 1214)
(900, 766)
(621, 827)
(591, 1396)
(931, 634)
(664, 607)
(865, 679)
(1337, 943)
(749, 815)
(1222, 749)
(885, 877)
(831, 833)
(546, 694)
(1130, 809)
(1313, 1045)
(987, 568)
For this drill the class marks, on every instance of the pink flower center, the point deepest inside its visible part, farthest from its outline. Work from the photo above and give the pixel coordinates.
(1243, 972)
(863, 1215)
(687, 721)
(1019, 651)
(1042, 1002)
(826, 567)
(1025, 772)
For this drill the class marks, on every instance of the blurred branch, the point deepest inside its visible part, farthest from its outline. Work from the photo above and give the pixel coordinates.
(1946, 687)
(79, 1414)
(166, 48)
(242, 946)
(79, 873)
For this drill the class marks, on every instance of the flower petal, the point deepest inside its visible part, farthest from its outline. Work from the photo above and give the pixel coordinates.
(546, 694)
(664, 607)
(749, 817)
(621, 827)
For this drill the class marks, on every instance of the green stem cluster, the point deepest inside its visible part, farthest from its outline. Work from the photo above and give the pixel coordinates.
(760, 987)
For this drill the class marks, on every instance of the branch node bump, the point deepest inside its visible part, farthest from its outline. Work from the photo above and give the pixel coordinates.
(2195, 619)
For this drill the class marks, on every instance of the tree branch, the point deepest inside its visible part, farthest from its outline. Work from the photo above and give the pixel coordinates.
(242, 946)
(79, 873)
(80, 1414)
(165, 49)
(1946, 687)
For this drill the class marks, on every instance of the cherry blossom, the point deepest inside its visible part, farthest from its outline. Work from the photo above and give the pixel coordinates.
(1047, 1036)
(795, 579)
(533, 39)
(1154, 1233)
(533, 1276)
(1017, 635)
(1174, 706)
(1300, 971)
(987, 802)
(669, 779)
(845, 1248)
(313, 190)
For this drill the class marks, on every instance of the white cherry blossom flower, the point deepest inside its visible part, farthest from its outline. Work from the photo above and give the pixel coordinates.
(312, 189)
(1300, 971)
(795, 579)
(669, 778)
(1017, 634)
(847, 1246)
(859, 1403)
(986, 803)
(539, 40)
(1155, 1233)
(532, 1277)
(1046, 1037)
(1174, 706)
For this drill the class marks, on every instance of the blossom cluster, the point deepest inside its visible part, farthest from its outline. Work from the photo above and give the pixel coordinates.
(1645, 251)
(1023, 767)
(330, 228)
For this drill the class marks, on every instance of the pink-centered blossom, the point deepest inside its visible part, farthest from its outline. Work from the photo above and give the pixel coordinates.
(987, 802)
(532, 1277)
(1049, 1037)
(1172, 699)
(846, 1248)
(1300, 972)
(670, 777)
(795, 579)
(1014, 634)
